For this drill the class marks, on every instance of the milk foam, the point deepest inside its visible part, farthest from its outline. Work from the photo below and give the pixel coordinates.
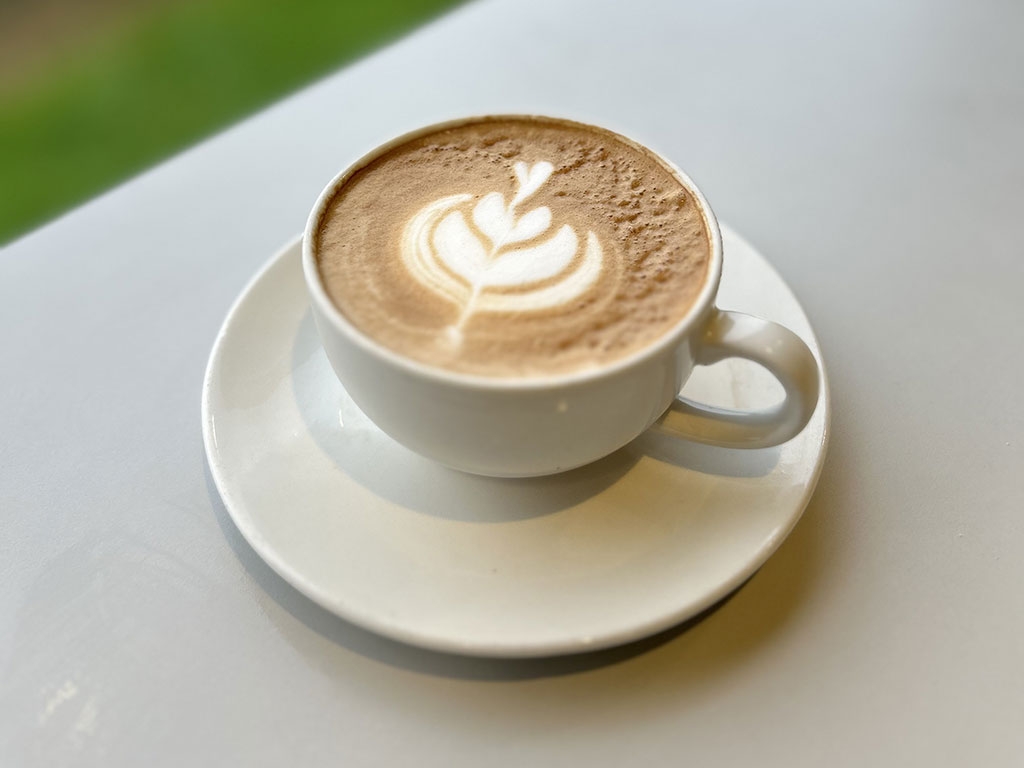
(444, 253)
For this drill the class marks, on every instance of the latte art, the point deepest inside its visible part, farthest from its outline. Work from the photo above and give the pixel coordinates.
(470, 268)
(513, 247)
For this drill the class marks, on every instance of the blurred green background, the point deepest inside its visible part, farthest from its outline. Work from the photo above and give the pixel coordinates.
(92, 91)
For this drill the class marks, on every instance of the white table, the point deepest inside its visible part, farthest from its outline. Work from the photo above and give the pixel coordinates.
(873, 151)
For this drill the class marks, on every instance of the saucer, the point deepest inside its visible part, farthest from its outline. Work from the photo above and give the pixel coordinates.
(611, 552)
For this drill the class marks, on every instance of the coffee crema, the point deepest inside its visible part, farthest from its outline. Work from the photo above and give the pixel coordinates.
(512, 247)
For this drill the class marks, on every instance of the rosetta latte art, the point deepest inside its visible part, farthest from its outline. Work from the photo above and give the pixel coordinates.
(497, 264)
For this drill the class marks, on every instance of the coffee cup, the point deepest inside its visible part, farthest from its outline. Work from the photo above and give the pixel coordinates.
(506, 415)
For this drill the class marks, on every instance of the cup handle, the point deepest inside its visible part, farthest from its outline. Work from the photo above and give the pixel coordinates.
(782, 352)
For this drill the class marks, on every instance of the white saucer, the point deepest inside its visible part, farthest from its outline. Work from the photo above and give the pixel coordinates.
(595, 557)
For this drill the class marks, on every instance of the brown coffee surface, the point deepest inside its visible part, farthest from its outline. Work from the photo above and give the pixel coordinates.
(511, 247)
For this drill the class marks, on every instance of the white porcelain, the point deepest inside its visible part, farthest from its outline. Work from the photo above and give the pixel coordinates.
(536, 426)
(604, 554)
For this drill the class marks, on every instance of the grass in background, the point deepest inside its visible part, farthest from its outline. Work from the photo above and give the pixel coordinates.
(169, 77)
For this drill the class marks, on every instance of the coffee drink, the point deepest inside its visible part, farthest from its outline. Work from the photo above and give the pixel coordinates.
(513, 247)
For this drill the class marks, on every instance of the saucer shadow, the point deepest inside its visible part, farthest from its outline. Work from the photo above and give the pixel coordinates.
(391, 471)
(370, 645)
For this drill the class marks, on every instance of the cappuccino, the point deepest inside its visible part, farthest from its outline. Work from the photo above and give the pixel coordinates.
(513, 247)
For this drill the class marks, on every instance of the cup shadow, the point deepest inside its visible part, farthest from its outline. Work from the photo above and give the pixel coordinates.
(393, 472)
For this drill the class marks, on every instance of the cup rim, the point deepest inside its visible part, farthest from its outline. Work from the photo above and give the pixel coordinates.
(668, 340)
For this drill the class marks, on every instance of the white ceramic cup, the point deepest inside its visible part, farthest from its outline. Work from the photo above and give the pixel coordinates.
(520, 427)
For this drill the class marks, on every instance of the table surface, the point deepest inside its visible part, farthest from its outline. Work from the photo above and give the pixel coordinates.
(871, 150)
